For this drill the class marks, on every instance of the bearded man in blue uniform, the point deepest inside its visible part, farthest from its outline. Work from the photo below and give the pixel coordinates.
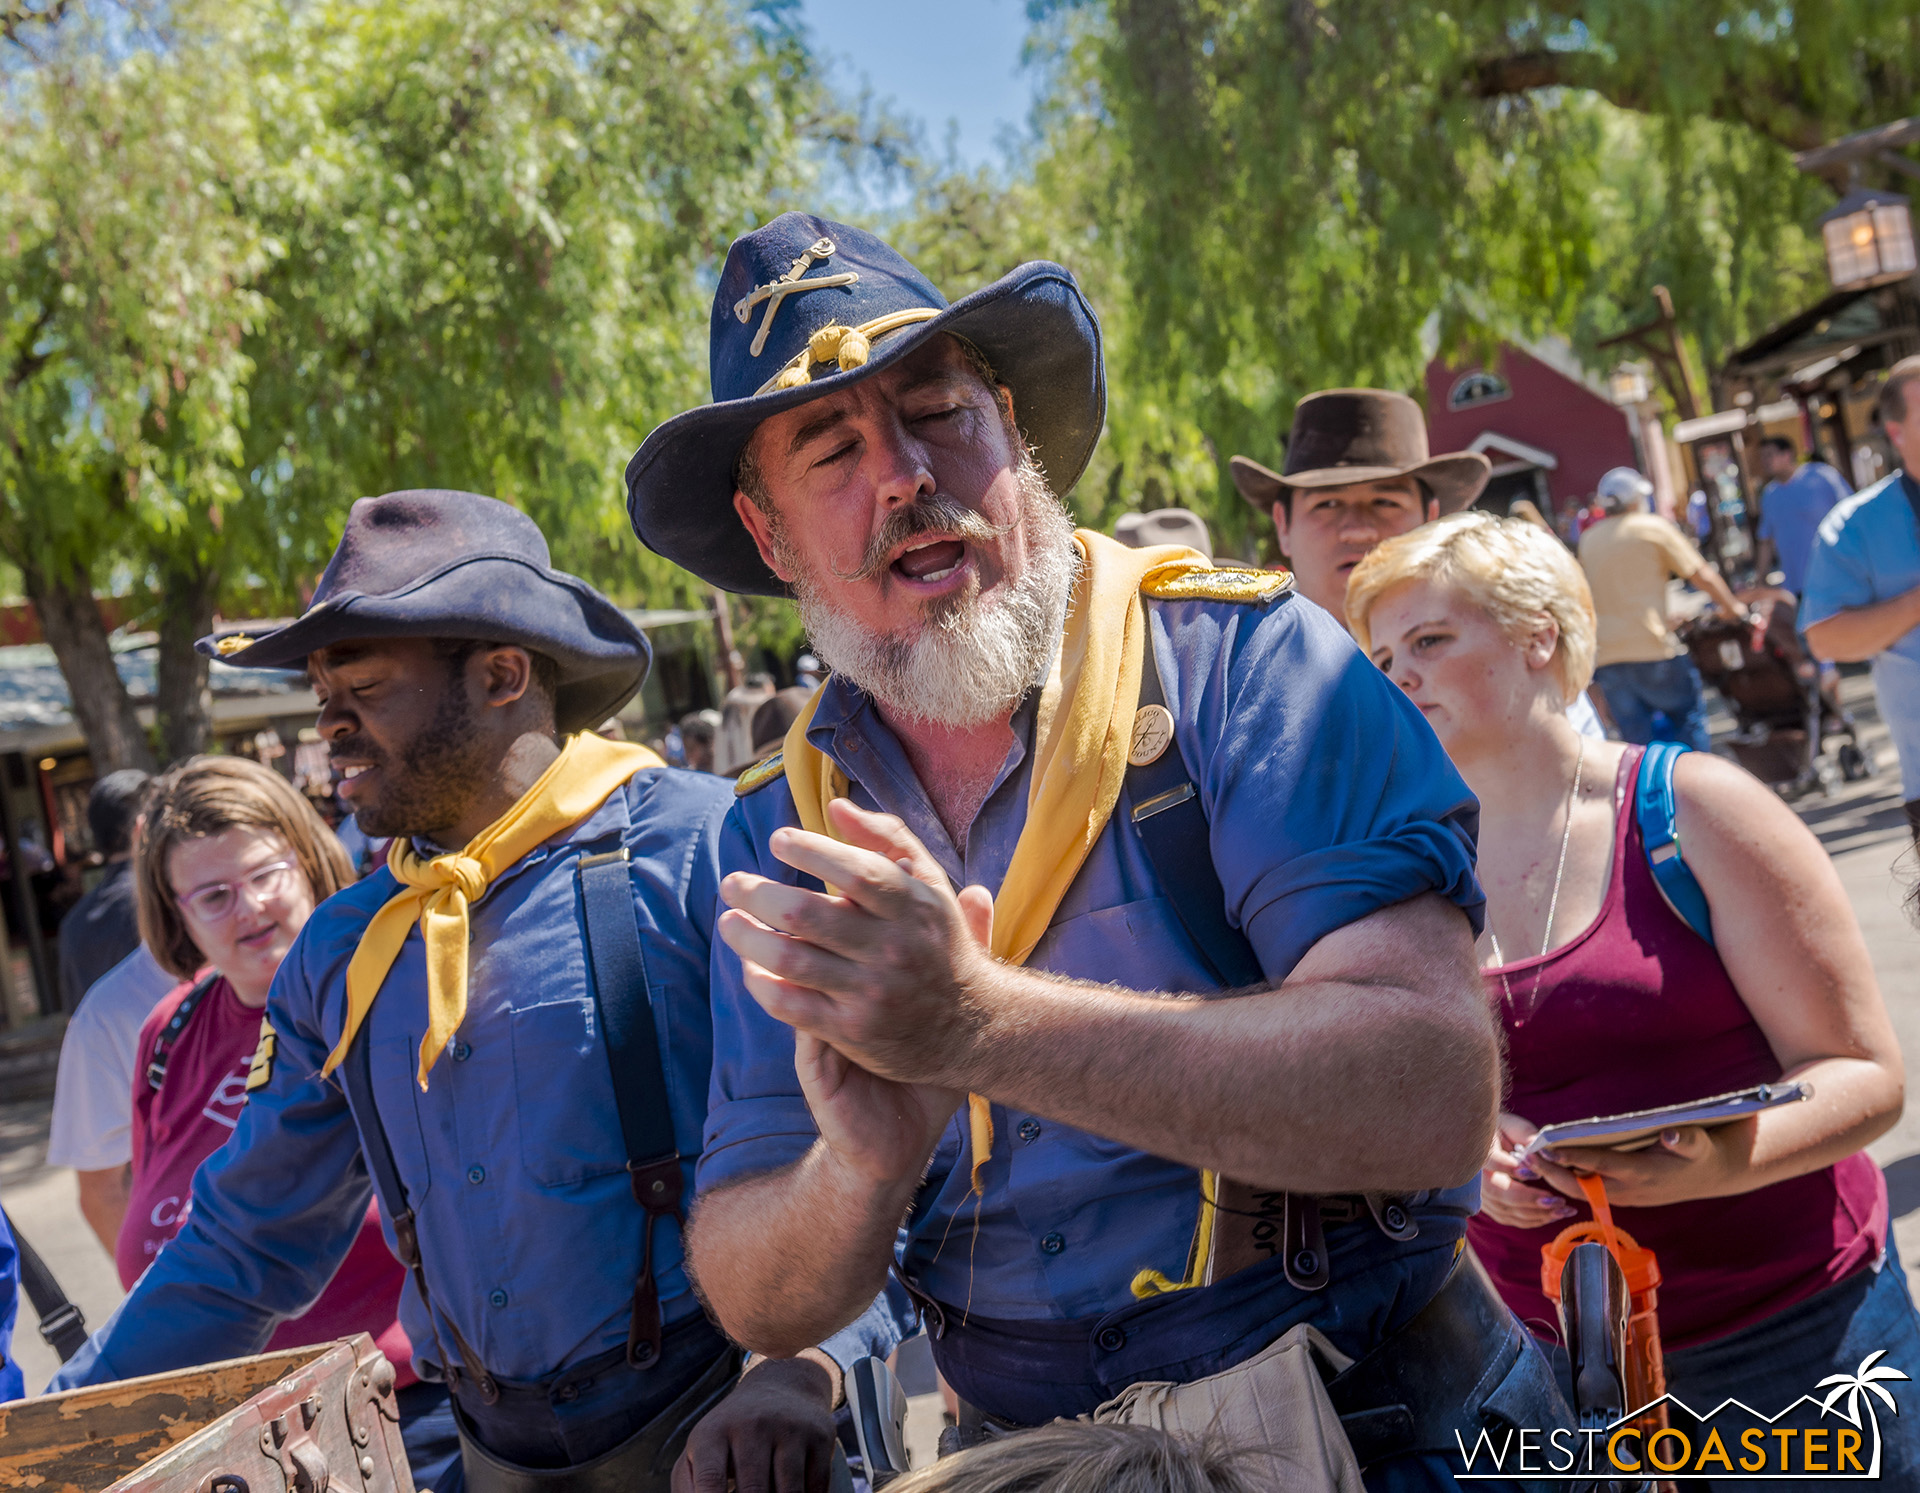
(503, 1034)
(1057, 797)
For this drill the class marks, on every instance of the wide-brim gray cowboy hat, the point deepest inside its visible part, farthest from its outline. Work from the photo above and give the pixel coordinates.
(1344, 436)
(430, 563)
(1164, 526)
(805, 307)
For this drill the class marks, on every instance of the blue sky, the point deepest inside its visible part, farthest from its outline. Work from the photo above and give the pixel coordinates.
(936, 62)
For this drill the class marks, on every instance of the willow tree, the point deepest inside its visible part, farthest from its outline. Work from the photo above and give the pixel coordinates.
(125, 292)
(1280, 195)
(266, 256)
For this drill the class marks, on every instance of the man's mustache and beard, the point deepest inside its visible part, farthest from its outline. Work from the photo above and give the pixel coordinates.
(970, 658)
(431, 781)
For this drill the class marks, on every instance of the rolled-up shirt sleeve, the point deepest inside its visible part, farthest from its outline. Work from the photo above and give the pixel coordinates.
(757, 1118)
(1328, 796)
(1839, 573)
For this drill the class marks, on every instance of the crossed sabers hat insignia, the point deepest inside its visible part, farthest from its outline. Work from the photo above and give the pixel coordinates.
(775, 292)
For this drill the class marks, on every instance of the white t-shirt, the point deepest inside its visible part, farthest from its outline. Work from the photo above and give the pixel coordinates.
(1584, 718)
(93, 1094)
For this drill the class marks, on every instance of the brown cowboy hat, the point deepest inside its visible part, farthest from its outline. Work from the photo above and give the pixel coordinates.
(1343, 436)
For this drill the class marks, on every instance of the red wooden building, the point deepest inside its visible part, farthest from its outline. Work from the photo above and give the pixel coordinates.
(1544, 423)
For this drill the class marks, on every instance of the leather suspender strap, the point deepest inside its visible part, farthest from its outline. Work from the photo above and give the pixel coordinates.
(176, 1024)
(625, 1013)
(357, 1075)
(1164, 808)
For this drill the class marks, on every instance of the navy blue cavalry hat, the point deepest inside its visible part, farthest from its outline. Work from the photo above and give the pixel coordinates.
(806, 306)
(430, 563)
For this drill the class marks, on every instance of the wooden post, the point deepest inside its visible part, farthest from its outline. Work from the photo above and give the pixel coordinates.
(1679, 350)
(731, 663)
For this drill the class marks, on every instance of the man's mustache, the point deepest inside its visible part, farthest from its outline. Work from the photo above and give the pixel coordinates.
(354, 749)
(935, 514)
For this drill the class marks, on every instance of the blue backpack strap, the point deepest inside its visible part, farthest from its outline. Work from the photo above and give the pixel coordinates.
(1654, 807)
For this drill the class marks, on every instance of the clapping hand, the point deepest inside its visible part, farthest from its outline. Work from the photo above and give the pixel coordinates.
(880, 979)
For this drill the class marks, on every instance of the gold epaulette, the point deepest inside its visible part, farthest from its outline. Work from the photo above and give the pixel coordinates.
(760, 774)
(1222, 583)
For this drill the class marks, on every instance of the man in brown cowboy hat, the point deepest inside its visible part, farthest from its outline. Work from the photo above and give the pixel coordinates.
(1357, 472)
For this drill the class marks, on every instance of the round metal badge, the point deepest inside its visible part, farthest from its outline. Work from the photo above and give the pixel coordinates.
(1152, 731)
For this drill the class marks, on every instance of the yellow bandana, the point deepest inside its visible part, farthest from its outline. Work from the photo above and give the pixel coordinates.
(437, 893)
(1081, 734)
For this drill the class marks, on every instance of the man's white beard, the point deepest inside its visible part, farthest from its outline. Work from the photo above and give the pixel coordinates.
(972, 659)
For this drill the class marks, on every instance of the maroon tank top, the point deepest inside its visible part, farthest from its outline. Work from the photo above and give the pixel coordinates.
(1637, 1012)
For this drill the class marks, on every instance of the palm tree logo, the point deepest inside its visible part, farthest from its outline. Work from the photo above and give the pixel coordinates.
(1865, 1381)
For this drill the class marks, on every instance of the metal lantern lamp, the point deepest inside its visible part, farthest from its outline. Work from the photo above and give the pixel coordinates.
(1869, 236)
(1627, 386)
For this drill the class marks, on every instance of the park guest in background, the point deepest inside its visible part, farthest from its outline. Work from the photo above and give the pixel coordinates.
(771, 720)
(699, 739)
(1862, 597)
(92, 1094)
(1164, 526)
(1772, 1233)
(1358, 458)
(232, 863)
(100, 929)
(1357, 472)
(1797, 497)
(1642, 668)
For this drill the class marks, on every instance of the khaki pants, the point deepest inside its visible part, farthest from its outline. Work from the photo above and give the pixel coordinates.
(1274, 1408)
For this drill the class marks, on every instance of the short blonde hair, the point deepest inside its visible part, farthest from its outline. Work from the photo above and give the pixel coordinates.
(1075, 1456)
(1518, 573)
(208, 796)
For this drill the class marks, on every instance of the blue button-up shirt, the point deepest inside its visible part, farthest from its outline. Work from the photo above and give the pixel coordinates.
(1868, 551)
(1328, 798)
(512, 1158)
(1790, 514)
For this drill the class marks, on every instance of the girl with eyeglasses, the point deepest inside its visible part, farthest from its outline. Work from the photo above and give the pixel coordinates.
(231, 863)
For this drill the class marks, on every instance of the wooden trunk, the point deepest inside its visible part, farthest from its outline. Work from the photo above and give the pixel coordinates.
(302, 1420)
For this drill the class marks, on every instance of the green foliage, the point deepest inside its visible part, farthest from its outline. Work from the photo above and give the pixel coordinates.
(266, 256)
(499, 223)
(1266, 197)
(127, 275)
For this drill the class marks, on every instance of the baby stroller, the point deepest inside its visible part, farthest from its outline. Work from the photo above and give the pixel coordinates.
(1786, 711)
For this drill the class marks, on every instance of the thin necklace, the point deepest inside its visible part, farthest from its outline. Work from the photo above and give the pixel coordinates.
(1559, 871)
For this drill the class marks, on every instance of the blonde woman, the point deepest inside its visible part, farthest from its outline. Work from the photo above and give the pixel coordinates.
(1772, 1232)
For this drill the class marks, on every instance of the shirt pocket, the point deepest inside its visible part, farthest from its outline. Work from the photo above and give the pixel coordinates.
(1140, 945)
(394, 1070)
(569, 1124)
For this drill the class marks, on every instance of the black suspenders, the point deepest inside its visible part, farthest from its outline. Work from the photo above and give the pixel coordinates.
(624, 1014)
(1164, 809)
(639, 1077)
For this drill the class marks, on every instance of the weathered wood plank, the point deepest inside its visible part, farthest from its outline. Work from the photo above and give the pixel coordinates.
(82, 1440)
(337, 1418)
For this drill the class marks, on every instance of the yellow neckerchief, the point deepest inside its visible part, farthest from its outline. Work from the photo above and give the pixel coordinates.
(1079, 756)
(436, 893)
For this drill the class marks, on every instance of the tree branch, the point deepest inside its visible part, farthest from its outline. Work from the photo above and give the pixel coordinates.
(1787, 121)
(29, 362)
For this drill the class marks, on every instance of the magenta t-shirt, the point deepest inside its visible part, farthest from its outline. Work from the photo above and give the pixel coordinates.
(194, 1112)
